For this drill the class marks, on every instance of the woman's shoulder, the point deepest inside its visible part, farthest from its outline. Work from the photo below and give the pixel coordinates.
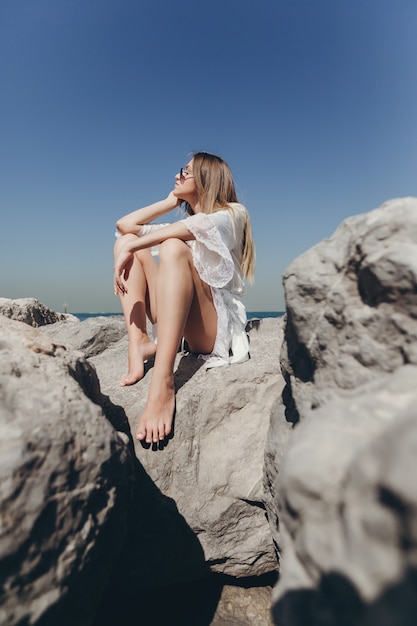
(239, 208)
(233, 217)
(237, 205)
(239, 212)
(231, 208)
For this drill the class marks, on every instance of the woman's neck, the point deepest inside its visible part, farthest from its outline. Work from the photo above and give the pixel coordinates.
(195, 207)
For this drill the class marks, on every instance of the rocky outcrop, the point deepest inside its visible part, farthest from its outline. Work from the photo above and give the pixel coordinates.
(340, 443)
(65, 483)
(213, 465)
(92, 336)
(345, 493)
(81, 502)
(31, 311)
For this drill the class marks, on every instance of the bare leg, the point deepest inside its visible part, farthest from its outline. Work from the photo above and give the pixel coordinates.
(135, 304)
(182, 300)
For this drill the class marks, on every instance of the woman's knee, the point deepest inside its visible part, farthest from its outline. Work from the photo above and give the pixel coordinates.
(117, 246)
(120, 241)
(173, 249)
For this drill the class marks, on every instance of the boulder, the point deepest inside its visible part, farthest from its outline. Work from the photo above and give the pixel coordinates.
(344, 495)
(191, 506)
(92, 336)
(65, 483)
(352, 306)
(213, 465)
(243, 606)
(348, 509)
(31, 311)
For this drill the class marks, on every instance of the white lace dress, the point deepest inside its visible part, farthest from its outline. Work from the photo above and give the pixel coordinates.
(217, 255)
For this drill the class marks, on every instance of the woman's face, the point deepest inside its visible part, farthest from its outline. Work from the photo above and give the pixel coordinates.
(185, 184)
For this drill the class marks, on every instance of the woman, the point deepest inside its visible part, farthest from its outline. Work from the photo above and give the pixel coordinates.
(194, 292)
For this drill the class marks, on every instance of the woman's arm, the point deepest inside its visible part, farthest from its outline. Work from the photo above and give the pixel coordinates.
(178, 230)
(132, 222)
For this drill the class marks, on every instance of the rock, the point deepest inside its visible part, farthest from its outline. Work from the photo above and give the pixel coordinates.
(65, 483)
(30, 311)
(212, 467)
(348, 509)
(197, 503)
(92, 336)
(344, 495)
(243, 606)
(352, 305)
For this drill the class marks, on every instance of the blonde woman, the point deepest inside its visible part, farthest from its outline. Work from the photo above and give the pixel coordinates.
(193, 292)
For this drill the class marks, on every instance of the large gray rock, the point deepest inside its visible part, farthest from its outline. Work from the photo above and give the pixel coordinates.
(348, 509)
(65, 483)
(196, 504)
(344, 495)
(213, 466)
(30, 311)
(352, 305)
(243, 606)
(92, 336)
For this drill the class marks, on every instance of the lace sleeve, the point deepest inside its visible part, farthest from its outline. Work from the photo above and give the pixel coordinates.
(211, 255)
(145, 229)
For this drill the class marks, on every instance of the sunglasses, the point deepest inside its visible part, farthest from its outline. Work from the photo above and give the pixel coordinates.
(184, 173)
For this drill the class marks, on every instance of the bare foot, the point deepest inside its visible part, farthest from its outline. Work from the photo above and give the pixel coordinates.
(156, 421)
(137, 355)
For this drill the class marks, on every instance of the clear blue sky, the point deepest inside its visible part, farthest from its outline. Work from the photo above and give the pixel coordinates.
(312, 102)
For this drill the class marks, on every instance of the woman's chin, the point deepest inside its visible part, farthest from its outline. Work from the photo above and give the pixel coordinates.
(178, 196)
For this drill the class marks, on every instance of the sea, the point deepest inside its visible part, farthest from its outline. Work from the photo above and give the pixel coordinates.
(250, 314)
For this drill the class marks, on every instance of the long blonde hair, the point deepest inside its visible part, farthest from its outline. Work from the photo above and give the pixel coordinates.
(216, 191)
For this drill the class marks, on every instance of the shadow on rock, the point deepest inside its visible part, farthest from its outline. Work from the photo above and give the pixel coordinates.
(188, 604)
(150, 583)
(338, 603)
(291, 414)
(187, 367)
(160, 552)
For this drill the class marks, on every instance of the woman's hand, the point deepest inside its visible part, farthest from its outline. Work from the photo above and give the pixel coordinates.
(121, 270)
(173, 199)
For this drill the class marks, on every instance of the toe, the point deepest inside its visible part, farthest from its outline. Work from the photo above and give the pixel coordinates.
(149, 436)
(161, 431)
(140, 436)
